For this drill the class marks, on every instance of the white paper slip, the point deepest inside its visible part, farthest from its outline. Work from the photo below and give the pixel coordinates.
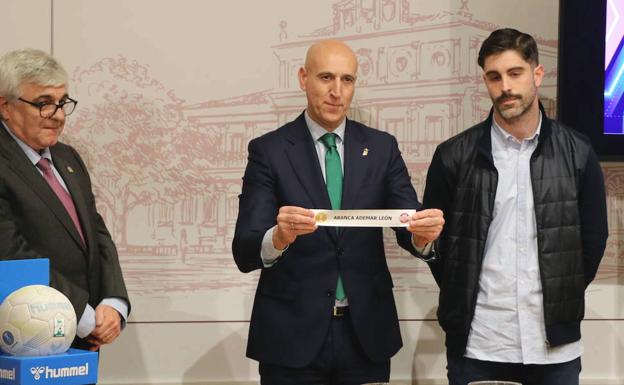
(363, 218)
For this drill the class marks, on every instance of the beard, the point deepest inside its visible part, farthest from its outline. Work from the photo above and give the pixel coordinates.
(518, 109)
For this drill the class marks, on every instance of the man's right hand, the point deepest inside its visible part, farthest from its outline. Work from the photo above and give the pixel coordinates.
(292, 221)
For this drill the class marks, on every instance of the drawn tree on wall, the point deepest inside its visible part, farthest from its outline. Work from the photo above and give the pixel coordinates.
(138, 146)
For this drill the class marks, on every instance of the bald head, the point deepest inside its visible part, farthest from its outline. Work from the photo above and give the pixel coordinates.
(328, 47)
(328, 79)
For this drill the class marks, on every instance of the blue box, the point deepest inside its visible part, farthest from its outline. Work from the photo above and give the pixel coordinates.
(75, 367)
(23, 272)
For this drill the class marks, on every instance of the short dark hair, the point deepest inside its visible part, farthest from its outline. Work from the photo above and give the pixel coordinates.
(509, 39)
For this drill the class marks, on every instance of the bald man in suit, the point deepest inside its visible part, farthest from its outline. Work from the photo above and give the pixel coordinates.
(324, 312)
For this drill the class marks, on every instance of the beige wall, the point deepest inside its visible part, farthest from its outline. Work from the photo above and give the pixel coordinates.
(193, 81)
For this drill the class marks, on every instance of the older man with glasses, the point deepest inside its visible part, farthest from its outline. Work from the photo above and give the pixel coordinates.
(47, 207)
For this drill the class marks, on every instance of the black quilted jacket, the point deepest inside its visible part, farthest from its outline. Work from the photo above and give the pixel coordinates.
(570, 210)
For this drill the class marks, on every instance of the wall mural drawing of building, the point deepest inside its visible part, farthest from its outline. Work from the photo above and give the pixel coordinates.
(167, 173)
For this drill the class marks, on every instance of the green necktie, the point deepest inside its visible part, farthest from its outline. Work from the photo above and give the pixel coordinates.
(333, 179)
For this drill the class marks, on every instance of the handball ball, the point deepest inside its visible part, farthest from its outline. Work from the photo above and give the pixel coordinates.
(36, 320)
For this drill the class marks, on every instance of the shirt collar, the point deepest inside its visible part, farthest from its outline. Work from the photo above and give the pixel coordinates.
(498, 130)
(317, 130)
(33, 156)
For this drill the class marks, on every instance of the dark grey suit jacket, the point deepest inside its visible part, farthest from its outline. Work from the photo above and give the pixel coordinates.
(34, 224)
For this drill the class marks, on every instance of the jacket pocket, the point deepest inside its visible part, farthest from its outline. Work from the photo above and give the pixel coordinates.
(277, 287)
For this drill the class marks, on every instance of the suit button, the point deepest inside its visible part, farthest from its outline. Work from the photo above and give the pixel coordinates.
(340, 251)
(330, 293)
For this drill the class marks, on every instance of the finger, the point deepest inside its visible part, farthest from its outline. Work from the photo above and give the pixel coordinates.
(292, 228)
(101, 336)
(303, 230)
(424, 225)
(99, 316)
(428, 237)
(102, 314)
(113, 336)
(428, 220)
(295, 210)
(104, 339)
(98, 334)
(295, 219)
(428, 213)
(101, 331)
(110, 336)
(107, 313)
(306, 226)
(110, 324)
(432, 212)
(426, 231)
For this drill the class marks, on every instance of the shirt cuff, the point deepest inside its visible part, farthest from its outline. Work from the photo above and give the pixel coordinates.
(268, 252)
(426, 253)
(86, 323)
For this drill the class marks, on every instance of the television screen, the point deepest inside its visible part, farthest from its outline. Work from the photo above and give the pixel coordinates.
(614, 68)
(590, 81)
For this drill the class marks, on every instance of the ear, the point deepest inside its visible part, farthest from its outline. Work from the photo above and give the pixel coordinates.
(4, 106)
(303, 76)
(538, 75)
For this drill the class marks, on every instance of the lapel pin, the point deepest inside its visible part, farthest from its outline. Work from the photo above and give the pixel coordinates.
(365, 152)
(71, 170)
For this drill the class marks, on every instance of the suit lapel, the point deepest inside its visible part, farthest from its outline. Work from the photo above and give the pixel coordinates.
(303, 158)
(355, 164)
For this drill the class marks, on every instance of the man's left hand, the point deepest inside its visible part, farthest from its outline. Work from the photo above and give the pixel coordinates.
(107, 326)
(426, 226)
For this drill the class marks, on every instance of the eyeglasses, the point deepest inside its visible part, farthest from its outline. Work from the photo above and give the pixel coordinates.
(47, 110)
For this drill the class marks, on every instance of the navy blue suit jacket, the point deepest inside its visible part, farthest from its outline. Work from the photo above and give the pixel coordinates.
(292, 307)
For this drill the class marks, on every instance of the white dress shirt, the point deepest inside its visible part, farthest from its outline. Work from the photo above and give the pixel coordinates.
(508, 324)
